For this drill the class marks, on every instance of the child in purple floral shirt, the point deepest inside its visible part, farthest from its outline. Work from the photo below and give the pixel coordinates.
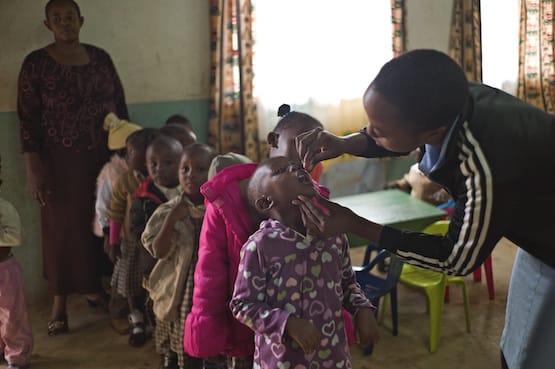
(291, 287)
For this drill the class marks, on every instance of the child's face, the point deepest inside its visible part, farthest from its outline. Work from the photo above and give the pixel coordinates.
(135, 158)
(285, 180)
(162, 164)
(64, 21)
(193, 172)
(387, 127)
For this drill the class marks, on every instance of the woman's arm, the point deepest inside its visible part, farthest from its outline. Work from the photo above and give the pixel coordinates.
(29, 108)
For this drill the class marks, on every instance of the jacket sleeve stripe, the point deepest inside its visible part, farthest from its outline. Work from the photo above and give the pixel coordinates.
(475, 220)
(479, 199)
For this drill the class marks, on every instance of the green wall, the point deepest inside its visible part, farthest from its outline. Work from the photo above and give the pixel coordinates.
(14, 188)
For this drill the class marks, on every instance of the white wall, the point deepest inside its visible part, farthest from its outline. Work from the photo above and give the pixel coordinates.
(159, 47)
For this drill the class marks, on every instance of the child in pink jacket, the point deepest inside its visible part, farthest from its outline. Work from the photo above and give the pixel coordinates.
(210, 329)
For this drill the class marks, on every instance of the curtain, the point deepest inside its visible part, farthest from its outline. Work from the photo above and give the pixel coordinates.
(536, 74)
(398, 14)
(465, 44)
(233, 122)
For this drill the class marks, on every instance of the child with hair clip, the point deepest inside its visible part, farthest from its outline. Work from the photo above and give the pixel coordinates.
(16, 337)
(291, 287)
(211, 332)
(171, 237)
(127, 278)
(162, 184)
(118, 131)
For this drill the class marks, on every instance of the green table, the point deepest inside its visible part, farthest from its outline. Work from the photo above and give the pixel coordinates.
(393, 208)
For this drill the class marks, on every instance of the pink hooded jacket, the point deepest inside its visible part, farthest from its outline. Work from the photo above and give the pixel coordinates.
(210, 328)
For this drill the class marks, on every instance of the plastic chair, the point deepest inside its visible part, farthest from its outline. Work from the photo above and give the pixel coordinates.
(477, 276)
(375, 287)
(489, 276)
(434, 284)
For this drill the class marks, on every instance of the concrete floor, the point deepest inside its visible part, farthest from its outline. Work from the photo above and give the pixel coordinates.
(91, 342)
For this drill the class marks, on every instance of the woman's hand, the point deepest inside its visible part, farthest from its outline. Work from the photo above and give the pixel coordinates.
(324, 218)
(36, 182)
(304, 333)
(317, 145)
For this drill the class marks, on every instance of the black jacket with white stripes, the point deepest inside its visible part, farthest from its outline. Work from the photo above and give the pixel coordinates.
(498, 163)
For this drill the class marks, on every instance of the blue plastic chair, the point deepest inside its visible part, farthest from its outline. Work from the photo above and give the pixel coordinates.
(375, 286)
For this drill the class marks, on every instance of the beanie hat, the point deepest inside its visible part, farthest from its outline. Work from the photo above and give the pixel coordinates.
(225, 160)
(118, 131)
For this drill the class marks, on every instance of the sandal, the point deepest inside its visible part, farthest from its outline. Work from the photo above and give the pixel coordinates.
(58, 326)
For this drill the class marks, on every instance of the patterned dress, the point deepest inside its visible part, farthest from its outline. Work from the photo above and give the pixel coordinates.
(61, 110)
(283, 272)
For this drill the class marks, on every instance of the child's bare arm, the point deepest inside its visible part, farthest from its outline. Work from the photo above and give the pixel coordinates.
(366, 327)
(304, 333)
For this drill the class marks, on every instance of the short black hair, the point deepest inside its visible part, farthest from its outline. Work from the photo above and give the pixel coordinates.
(179, 119)
(166, 143)
(50, 2)
(294, 119)
(179, 132)
(200, 148)
(142, 138)
(429, 88)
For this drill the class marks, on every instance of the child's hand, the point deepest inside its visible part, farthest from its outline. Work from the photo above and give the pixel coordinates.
(366, 327)
(114, 253)
(181, 210)
(304, 333)
(106, 245)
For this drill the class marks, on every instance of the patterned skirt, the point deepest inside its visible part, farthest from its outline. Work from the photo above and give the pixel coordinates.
(127, 276)
(168, 336)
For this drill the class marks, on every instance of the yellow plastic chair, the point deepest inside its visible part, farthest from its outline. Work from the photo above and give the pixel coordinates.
(434, 284)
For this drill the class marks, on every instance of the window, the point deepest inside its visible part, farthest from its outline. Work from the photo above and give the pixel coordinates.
(500, 28)
(319, 57)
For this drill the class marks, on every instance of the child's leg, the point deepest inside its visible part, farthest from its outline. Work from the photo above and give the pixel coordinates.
(137, 326)
(15, 331)
(240, 362)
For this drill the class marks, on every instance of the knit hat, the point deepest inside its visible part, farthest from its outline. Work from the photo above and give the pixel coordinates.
(118, 131)
(225, 160)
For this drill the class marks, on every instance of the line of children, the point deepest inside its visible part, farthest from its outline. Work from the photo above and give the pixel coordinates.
(291, 287)
(171, 237)
(118, 132)
(127, 278)
(16, 337)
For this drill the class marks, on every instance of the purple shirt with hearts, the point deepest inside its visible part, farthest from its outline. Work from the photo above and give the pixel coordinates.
(283, 272)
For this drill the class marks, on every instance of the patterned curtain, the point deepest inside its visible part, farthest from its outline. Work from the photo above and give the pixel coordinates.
(398, 14)
(536, 74)
(233, 122)
(465, 44)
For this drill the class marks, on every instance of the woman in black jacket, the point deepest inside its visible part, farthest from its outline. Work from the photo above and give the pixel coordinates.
(492, 152)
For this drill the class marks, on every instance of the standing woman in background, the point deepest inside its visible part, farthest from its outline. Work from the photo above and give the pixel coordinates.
(65, 90)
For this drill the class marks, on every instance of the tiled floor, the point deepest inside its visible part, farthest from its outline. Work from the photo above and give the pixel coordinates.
(92, 344)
